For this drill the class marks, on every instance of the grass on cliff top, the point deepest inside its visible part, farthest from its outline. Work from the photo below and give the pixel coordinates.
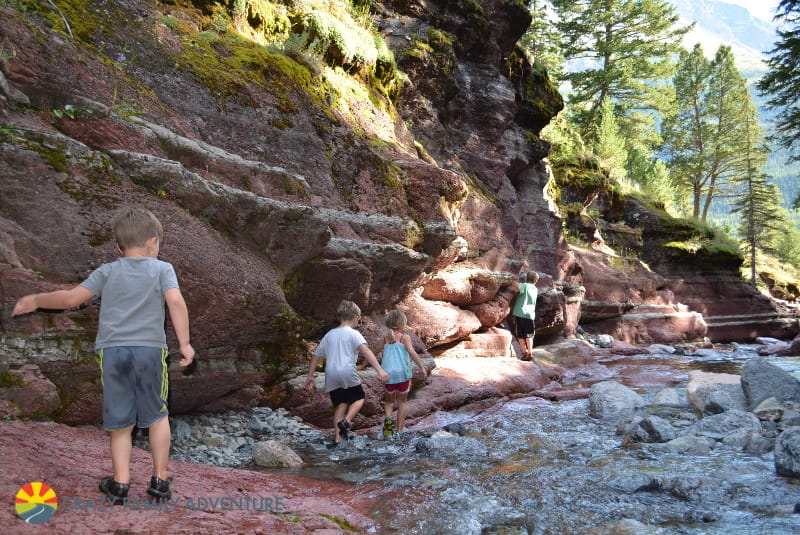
(785, 277)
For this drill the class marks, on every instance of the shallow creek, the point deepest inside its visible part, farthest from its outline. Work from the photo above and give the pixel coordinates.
(530, 466)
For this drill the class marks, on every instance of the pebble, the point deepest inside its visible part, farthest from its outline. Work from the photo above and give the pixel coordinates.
(227, 439)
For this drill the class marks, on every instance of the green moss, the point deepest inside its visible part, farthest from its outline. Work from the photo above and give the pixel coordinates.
(169, 21)
(439, 39)
(210, 37)
(287, 517)
(472, 6)
(56, 158)
(86, 18)
(341, 522)
(288, 348)
(269, 20)
(415, 236)
(10, 380)
(294, 187)
(477, 186)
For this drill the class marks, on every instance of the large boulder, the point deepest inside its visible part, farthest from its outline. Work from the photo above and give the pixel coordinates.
(787, 453)
(610, 398)
(714, 393)
(26, 393)
(719, 426)
(762, 380)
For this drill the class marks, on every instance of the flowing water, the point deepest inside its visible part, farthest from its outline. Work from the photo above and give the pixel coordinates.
(531, 466)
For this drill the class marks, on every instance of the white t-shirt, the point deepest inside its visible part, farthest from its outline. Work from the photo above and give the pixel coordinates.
(339, 348)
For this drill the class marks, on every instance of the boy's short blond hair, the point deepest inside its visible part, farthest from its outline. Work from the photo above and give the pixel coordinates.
(347, 311)
(396, 320)
(134, 225)
(532, 277)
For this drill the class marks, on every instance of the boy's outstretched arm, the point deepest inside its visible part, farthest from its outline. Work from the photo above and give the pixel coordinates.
(179, 314)
(57, 300)
(370, 356)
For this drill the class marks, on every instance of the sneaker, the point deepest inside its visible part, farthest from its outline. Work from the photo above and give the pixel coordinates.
(388, 427)
(344, 428)
(159, 488)
(117, 492)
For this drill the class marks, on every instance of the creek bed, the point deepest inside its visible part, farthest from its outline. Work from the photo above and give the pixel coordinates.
(531, 466)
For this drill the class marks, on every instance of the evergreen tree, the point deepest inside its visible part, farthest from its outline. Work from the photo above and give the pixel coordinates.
(687, 131)
(759, 202)
(730, 109)
(703, 137)
(609, 145)
(781, 83)
(788, 247)
(542, 41)
(625, 50)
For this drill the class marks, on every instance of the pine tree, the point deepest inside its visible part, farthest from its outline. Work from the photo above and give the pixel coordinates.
(687, 132)
(730, 108)
(609, 145)
(704, 135)
(781, 83)
(625, 49)
(542, 42)
(759, 202)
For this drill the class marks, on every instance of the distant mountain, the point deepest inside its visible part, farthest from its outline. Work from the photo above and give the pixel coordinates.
(719, 23)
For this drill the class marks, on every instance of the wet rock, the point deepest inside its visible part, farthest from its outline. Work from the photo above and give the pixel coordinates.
(627, 526)
(610, 397)
(445, 443)
(787, 453)
(758, 444)
(657, 429)
(791, 418)
(671, 397)
(762, 380)
(769, 410)
(605, 340)
(651, 429)
(181, 431)
(691, 445)
(273, 453)
(660, 348)
(456, 428)
(718, 426)
(714, 393)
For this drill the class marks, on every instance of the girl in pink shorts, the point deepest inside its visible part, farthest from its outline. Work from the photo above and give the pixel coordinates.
(396, 361)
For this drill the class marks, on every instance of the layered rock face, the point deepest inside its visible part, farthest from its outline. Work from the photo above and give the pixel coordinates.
(280, 195)
(286, 185)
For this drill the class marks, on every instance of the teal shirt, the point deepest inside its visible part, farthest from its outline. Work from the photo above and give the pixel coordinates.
(525, 304)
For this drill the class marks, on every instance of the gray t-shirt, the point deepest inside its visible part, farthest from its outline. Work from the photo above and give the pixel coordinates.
(131, 291)
(339, 348)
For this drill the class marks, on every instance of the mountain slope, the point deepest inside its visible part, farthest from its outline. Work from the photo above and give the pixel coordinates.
(719, 23)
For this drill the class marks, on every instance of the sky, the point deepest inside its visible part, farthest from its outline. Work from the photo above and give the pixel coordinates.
(763, 9)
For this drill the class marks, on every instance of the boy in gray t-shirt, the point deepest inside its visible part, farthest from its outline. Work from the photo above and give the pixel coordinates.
(131, 343)
(340, 348)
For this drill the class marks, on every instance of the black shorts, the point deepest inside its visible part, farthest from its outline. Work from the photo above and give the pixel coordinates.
(347, 395)
(524, 327)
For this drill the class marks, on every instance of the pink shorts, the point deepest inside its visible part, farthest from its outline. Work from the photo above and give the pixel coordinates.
(400, 388)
